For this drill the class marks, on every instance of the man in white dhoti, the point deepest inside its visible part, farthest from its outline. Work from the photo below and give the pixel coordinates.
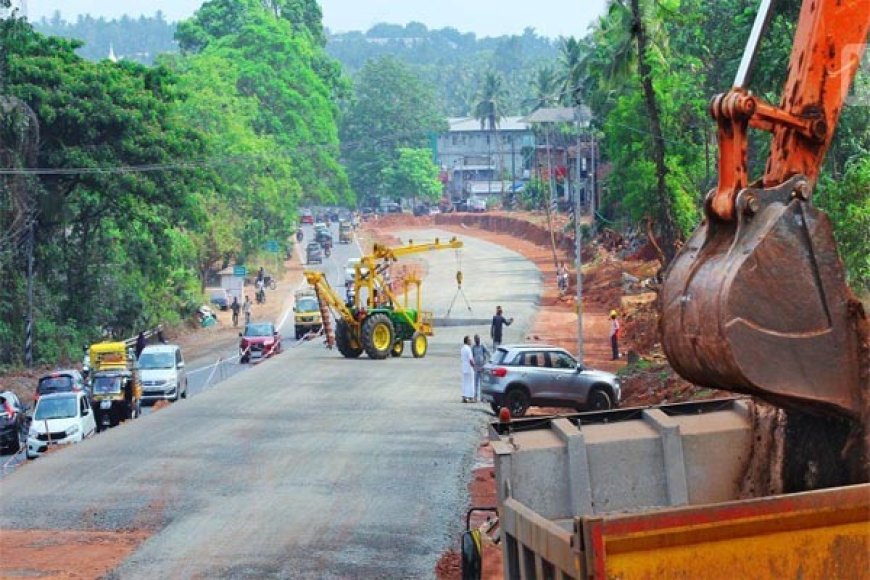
(467, 361)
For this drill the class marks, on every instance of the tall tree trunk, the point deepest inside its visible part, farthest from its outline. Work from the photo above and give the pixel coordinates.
(666, 217)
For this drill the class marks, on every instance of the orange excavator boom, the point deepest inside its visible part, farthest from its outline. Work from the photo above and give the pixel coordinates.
(756, 301)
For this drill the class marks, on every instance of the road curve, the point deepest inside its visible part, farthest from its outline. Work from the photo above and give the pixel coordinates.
(307, 465)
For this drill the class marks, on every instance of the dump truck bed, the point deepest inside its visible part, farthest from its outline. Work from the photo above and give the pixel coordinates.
(657, 493)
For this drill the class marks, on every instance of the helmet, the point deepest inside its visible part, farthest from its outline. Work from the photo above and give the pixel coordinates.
(614, 314)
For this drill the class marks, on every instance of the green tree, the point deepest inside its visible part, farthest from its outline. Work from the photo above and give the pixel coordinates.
(414, 175)
(391, 109)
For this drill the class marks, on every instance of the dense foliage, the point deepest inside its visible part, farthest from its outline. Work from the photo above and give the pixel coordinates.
(455, 63)
(151, 178)
(390, 109)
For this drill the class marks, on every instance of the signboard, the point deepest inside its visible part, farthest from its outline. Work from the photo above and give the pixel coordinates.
(272, 246)
(240, 271)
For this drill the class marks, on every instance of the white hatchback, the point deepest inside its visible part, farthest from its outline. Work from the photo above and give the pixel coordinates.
(59, 419)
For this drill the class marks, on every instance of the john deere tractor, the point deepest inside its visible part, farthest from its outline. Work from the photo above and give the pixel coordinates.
(374, 319)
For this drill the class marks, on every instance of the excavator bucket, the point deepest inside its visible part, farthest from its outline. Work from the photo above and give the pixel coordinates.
(759, 305)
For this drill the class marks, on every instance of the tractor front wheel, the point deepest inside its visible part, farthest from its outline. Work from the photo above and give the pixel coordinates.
(378, 336)
(347, 344)
(419, 345)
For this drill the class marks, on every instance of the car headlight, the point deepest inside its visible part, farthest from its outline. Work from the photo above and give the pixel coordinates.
(268, 342)
(72, 430)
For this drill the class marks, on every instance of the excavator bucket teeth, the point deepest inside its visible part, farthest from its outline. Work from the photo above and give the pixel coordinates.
(761, 306)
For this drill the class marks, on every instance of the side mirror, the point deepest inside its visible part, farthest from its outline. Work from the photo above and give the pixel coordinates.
(275, 333)
(240, 335)
(294, 309)
(86, 411)
(180, 365)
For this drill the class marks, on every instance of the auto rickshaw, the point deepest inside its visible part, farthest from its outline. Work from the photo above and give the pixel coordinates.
(116, 391)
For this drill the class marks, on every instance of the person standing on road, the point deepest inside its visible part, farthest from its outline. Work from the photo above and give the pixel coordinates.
(235, 307)
(480, 354)
(466, 359)
(246, 308)
(614, 334)
(495, 329)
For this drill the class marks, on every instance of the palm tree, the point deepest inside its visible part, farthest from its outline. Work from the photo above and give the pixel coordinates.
(545, 86)
(632, 36)
(572, 62)
(489, 108)
(491, 97)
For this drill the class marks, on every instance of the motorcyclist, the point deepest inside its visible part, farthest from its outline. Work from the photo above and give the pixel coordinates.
(299, 235)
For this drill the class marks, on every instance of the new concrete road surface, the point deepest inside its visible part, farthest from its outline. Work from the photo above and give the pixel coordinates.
(307, 465)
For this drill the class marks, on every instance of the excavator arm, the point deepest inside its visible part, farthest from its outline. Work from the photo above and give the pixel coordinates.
(756, 301)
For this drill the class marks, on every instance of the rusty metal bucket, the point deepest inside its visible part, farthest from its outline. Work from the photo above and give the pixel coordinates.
(760, 306)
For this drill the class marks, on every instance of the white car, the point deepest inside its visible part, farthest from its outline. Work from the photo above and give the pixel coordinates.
(59, 419)
(161, 370)
(476, 204)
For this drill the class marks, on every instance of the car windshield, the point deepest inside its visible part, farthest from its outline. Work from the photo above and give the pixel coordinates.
(55, 408)
(218, 296)
(307, 305)
(107, 385)
(313, 247)
(258, 330)
(157, 360)
(55, 384)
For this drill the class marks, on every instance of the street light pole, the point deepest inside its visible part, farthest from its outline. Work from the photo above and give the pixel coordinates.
(578, 252)
(28, 334)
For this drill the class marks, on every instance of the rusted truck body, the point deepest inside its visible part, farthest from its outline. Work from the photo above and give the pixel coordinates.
(657, 493)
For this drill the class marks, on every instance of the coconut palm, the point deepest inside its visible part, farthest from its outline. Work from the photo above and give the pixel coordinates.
(545, 88)
(491, 98)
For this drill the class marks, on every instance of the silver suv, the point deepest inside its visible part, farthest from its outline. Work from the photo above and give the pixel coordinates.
(521, 375)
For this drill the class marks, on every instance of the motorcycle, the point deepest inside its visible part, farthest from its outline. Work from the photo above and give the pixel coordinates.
(299, 235)
(327, 251)
(261, 295)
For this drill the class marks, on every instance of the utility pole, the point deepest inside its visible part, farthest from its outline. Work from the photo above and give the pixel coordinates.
(28, 334)
(578, 252)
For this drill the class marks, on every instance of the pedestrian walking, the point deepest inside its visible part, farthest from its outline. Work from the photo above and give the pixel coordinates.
(495, 329)
(235, 307)
(614, 333)
(480, 355)
(246, 308)
(466, 359)
(140, 344)
(562, 278)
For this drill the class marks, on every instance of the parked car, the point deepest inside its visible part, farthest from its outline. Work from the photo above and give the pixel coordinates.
(220, 298)
(259, 340)
(434, 210)
(59, 419)
(460, 205)
(391, 207)
(313, 253)
(421, 210)
(476, 204)
(521, 375)
(161, 370)
(306, 217)
(61, 381)
(13, 423)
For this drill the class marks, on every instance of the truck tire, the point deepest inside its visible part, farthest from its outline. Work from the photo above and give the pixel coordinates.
(377, 336)
(419, 345)
(598, 400)
(517, 401)
(346, 343)
(398, 348)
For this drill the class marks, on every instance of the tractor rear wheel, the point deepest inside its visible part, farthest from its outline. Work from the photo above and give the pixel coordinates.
(419, 345)
(377, 336)
(398, 348)
(347, 345)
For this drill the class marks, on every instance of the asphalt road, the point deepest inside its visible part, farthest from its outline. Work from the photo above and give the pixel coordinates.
(306, 465)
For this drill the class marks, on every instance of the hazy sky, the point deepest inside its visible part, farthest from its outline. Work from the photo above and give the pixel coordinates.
(483, 17)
